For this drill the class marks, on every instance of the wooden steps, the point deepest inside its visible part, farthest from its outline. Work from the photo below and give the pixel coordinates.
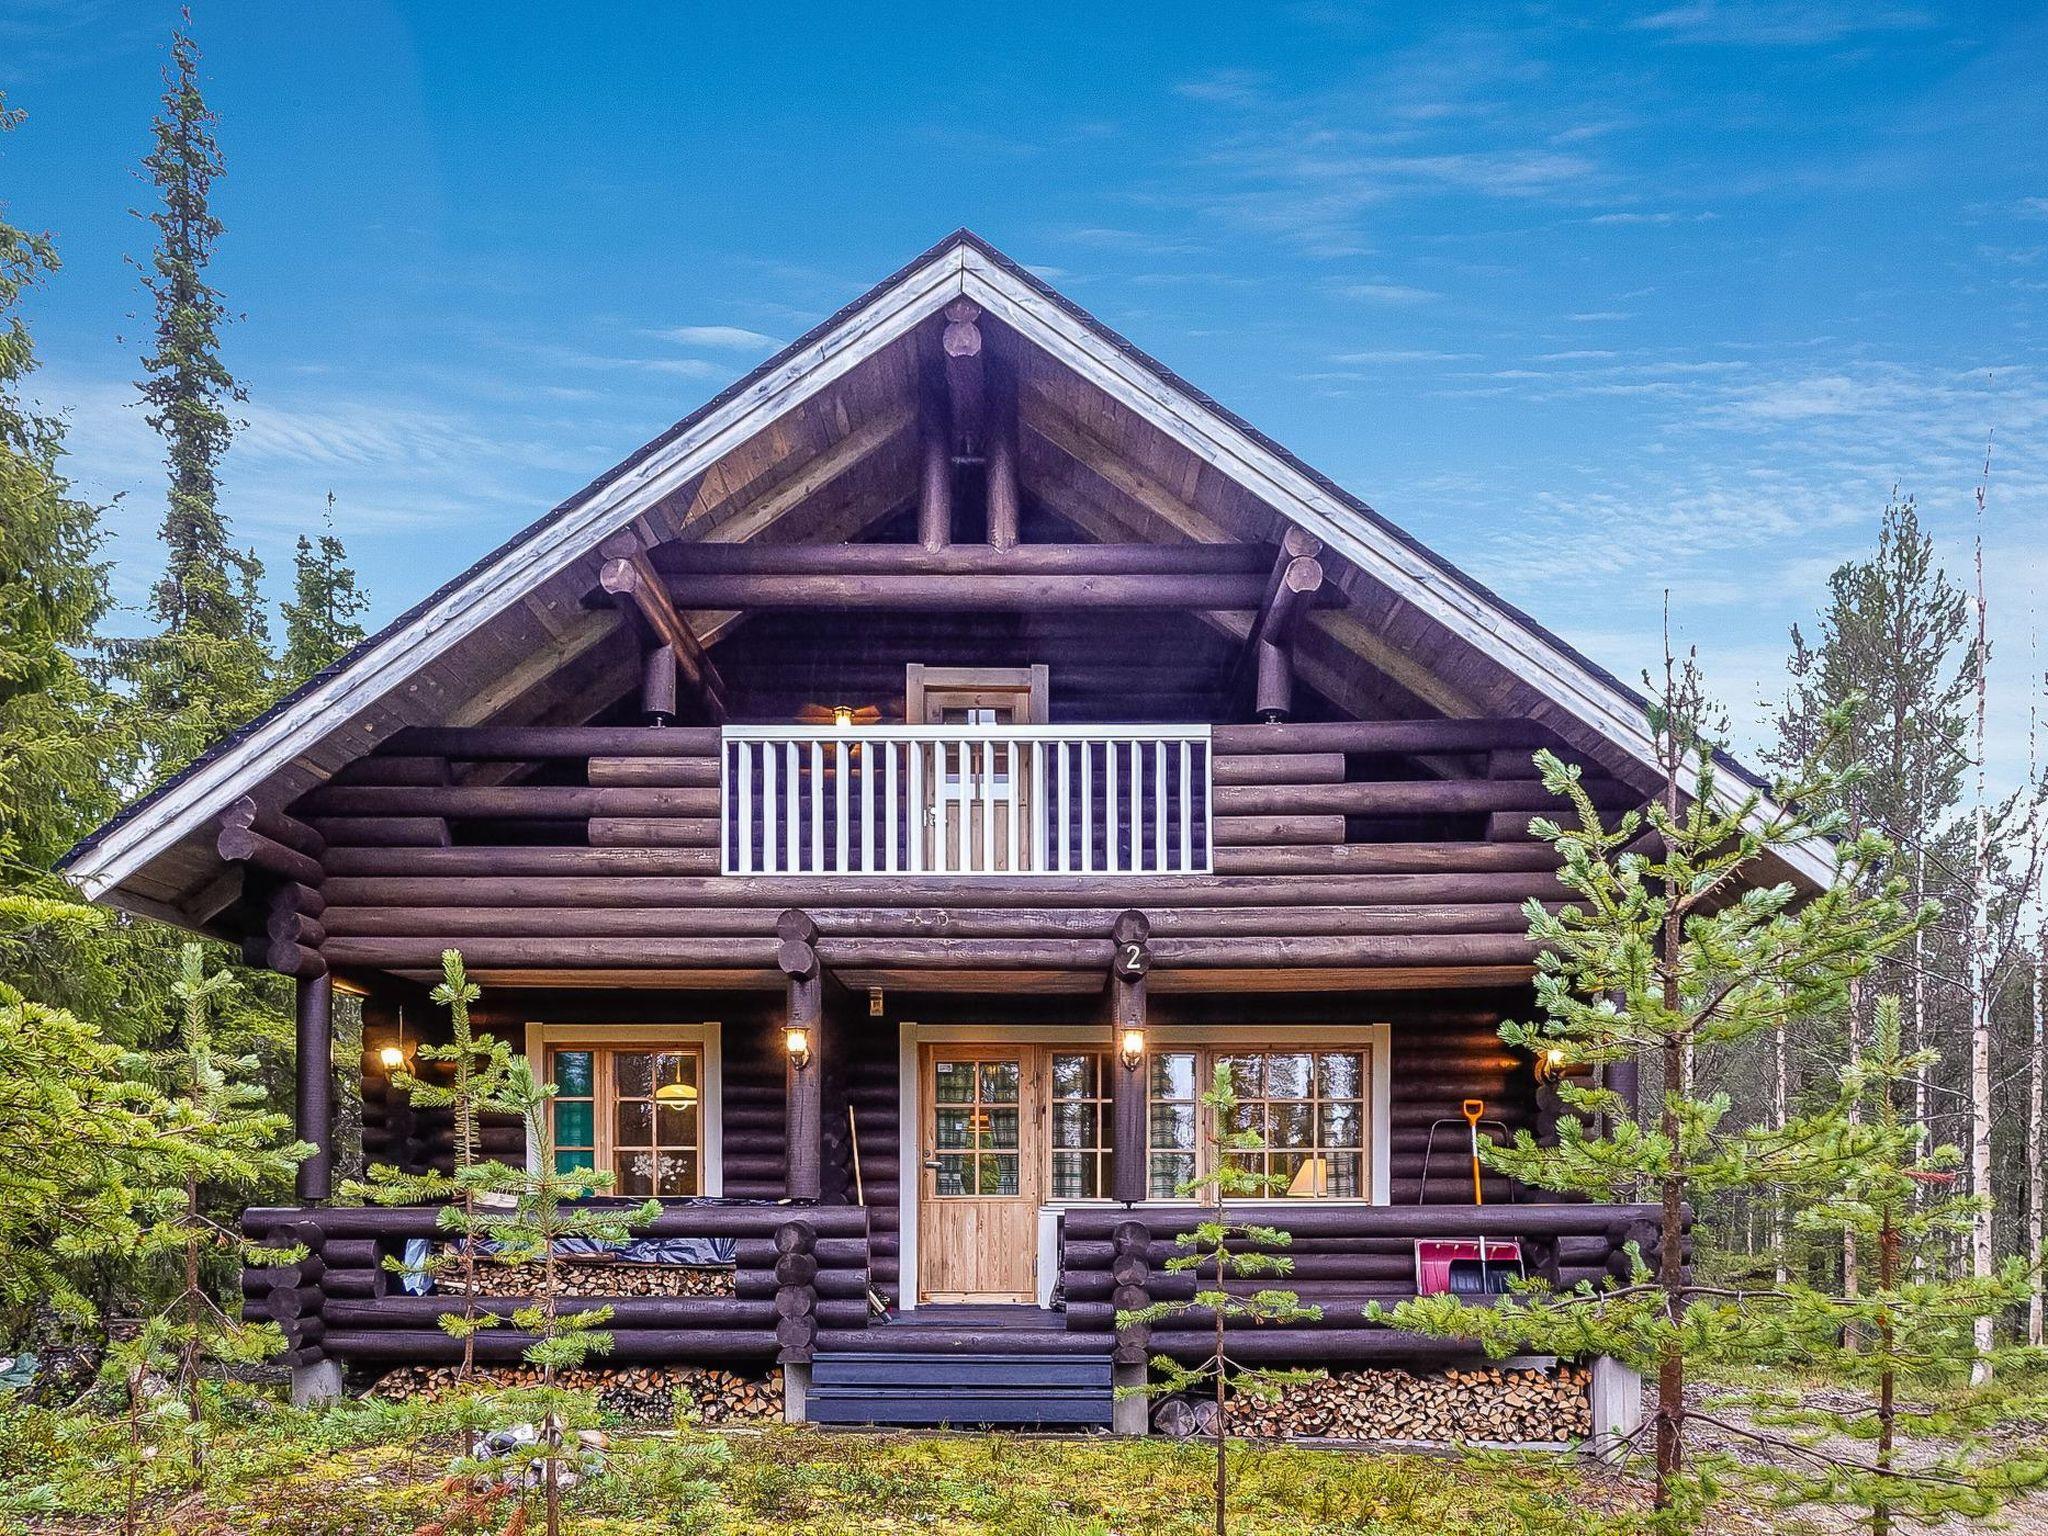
(933, 1386)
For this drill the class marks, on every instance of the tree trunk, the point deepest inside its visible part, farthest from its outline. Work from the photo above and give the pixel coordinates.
(1780, 1107)
(1980, 993)
(2037, 1178)
(1887, 1383)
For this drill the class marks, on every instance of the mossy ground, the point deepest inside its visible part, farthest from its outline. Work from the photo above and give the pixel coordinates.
(366, 1469)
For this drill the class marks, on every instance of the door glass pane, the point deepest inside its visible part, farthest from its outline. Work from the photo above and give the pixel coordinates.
(999, 1174)
(953, 1172)
(951, 1127)
(953, 1082)
(999, 1082)
(1003, 1126)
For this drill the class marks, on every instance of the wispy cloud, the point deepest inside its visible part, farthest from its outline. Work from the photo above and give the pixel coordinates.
(1778, 23)
(1389, 293)
(1402, 355)
(721, 338)
(1227, 87)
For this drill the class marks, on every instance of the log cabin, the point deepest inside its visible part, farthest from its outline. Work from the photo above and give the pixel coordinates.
(877, 804)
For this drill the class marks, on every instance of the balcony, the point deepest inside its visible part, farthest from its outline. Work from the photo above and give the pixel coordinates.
(965, 800)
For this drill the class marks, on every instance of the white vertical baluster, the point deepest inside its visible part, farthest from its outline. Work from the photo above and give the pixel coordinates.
(839, 786)
(988, 807)
(1063, 829)
(725, 807)
(1187, 809)
(918, 809)
(818, 864)
(792, 807)
(890, 862)
(1112, 814)
(1010, 763)
(771, 810)
(1208, 843)
(1040, 799)
(1160, 861)
(1087, 834)
(867, 808)
(744, 864)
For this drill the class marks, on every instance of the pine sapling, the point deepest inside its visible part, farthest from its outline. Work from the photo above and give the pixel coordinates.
(545, 1212)
(478, 1068)
(1228, 1250)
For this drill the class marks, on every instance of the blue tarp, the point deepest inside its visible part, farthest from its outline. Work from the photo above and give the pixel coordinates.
(697, 1252)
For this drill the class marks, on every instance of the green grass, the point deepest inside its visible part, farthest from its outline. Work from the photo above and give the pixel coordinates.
(378, 1470)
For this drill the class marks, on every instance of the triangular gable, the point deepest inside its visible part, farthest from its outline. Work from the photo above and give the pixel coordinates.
(963, 265)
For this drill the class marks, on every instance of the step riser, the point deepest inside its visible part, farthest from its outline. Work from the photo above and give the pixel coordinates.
(912, 1387)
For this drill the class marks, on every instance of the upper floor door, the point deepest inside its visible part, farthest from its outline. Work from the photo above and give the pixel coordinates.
(979, 798)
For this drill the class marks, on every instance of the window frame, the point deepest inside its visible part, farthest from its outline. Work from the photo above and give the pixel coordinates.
(704, 1040)
(1372, 1110)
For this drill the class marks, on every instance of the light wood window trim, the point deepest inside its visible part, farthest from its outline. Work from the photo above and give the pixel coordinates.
(1206, 1054)
(704, 1040)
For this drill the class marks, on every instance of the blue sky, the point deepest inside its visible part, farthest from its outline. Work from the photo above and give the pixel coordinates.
(1595, 300)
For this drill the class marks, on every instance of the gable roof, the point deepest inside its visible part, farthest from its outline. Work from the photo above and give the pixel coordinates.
(961, 265)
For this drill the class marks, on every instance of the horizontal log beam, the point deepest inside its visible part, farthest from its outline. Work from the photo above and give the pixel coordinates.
(1305, 1218)
(738, 1221)
(275, 825)
(431, 1346)
(511, 743)
(1279, 768)
(245, 845)
(695, 559)
(550, 802)
(1389, 737)
(959, 594)
(593, 882)
(654, 772)
(455, 923)
(604, 953)
(1414, 797)
(1260, 831)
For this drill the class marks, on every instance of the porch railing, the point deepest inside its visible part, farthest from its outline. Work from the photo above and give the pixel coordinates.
(965, 800)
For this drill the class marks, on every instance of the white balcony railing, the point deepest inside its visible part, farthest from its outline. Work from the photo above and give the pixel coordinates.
(965, 800)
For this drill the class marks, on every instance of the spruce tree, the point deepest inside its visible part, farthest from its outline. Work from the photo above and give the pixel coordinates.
(229, 1142)
(1228, 1250)
(323, 616)
(1663, 953)
(478, 1066)
(207, 670)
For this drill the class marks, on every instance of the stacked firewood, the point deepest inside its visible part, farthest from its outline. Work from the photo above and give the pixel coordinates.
(596, 1279)
(1488, 1403)
(648, 1394)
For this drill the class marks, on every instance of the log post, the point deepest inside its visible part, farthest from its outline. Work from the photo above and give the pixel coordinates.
(796, 1292)
(1127, 1081)
(1004, 500)
(643, 598)
(1131, 1247)
(315, 1018)
(658, 686)
(803, 1081)
(935, 477)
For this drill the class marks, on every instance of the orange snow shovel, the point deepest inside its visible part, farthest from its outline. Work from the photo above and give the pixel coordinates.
(1473, 1109)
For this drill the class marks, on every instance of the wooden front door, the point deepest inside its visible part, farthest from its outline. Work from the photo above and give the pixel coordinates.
(983, 1174)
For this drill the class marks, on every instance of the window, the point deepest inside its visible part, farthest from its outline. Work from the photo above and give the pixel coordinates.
(1309, 1106)
(636, 1112)
(1080, 1125)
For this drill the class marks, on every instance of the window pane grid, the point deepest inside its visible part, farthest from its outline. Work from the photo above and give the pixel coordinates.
(977, 1127)
(634, 1110)
(1307, 1106)
(1080, 1125)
